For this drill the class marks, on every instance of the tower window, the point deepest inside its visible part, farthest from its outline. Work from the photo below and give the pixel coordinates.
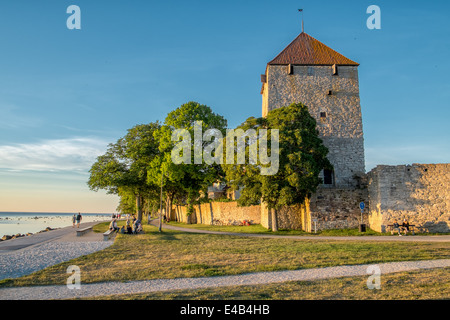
(334, 69)
(323, 115)
(290, 69)
(330, 92)
(327, 176)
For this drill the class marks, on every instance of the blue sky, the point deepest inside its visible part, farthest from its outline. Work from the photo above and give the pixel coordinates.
(65, 94)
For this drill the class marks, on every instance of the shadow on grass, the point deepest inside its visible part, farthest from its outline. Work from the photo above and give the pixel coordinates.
(205, 270)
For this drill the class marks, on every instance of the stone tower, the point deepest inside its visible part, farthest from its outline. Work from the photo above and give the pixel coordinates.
(309, 72)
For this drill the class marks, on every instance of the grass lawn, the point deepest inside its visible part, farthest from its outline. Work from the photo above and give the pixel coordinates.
(257, 228)
(175, 254)
(422, 284)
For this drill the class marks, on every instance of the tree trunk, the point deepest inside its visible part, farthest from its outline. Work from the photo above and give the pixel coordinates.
(139, 206)
(169, 207)
(274, 220)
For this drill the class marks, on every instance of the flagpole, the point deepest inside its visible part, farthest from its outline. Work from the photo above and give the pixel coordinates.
(303, 25)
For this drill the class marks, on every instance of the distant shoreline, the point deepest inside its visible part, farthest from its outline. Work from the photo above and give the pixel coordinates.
(62, 213)
(7, 237)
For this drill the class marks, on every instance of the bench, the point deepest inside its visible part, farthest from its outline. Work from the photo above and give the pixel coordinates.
(108, 234)
(411, 228)
(81, 232)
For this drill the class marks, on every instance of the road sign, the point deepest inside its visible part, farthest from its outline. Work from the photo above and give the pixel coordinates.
(362, 205)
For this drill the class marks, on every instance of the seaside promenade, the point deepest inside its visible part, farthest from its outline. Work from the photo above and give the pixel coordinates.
(25, 255)
(62, 234)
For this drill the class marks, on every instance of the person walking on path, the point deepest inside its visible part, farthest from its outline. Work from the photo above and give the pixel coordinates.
(79, 218)
(74, 219)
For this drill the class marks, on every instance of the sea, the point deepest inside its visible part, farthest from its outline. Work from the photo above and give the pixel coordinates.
(12, 223)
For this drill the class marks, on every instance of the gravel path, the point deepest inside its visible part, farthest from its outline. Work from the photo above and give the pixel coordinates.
(26, 261)
(133, 287)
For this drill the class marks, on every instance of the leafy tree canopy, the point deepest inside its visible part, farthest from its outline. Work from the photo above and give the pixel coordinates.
(302, 156)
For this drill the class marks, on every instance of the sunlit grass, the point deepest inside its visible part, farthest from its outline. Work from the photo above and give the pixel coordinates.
(175, 254)
(258, 229)
(414, 285)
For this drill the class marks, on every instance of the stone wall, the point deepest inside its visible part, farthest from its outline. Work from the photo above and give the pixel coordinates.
(288, 218)
(338, 114)
(338, 208)
(418, 192)
(224, 213)
(331, 208)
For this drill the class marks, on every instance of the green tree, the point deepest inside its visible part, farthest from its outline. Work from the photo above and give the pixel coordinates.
(302, 156)
(185, 180)
(123, 168)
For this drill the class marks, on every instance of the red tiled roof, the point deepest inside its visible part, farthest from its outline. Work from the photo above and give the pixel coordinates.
(305, 50)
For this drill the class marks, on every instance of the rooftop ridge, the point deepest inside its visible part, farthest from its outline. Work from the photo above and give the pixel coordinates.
(306, 50)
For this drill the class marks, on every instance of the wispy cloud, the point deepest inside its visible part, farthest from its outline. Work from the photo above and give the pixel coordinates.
(74, 154)
(12, 118)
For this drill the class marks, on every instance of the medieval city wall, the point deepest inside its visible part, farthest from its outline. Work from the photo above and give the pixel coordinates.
(222, 213)
(288, 218)
(338, 208)
(418, 192)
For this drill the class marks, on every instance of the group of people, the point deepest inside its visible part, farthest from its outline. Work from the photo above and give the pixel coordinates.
(133, 225)
(399, 228)
(76, 220)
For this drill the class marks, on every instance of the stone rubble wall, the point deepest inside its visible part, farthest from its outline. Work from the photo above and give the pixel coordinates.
(339, 208)
(288, 218)
(218, 213)
(332, 208)
(419, 193)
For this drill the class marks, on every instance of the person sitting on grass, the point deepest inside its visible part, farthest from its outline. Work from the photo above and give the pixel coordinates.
(396, 227)
(136, 225)
(405, 226)
(123, 230)
(139, 228)
(129, 230)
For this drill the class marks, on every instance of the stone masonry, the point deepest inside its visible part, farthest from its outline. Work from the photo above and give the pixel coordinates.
(418, 192)
(338, 114)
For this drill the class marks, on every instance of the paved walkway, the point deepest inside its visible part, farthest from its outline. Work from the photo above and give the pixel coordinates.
(25, 255)
(62, 234)
(161, 285)
(409, 238)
